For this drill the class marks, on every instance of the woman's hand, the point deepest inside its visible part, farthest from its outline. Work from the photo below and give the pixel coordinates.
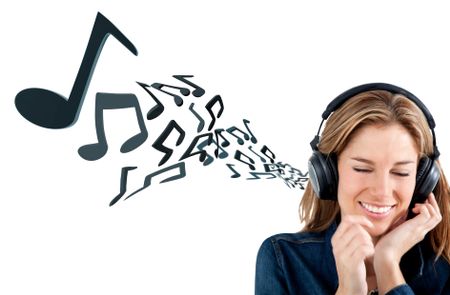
(392, 246)
(352, 244)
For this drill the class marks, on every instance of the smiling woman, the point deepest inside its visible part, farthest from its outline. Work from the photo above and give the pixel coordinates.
(376, 210)
(377, 175)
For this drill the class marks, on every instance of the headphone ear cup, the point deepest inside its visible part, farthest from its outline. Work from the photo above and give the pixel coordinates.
(323, 175)
(426, 179)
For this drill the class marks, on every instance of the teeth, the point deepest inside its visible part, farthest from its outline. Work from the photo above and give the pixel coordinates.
(375, 209)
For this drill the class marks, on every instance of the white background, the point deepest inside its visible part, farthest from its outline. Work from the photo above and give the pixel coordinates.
(277, 65)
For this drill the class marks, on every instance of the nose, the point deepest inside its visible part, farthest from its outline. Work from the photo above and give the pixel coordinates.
(381, 185)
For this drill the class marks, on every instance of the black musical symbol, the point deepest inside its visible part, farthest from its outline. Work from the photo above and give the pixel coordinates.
(238, 156)
(209, 105)
(157, 109)
(232, 129)
(201, 123)
(252, 138)
(236, 174)
(109, 101)
(123, 183)
(148, 179)
(260, 157)
(209, 159)
(265, 149)
(178, 100)
(198, 92)
(188, 153)
(48, 109)
(158, 144)
(273, 168)
(299, 182)
(225, 143)
(297, 172)
(256, 175)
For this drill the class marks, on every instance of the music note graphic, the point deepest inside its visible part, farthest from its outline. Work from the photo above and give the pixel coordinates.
(256, 175)
(48, 109)
(148, 179)
(271, 157)
(209, 106)
(159, 142)
(178, 100)
(198, 92)
(110, 101)
(188, 153)
(157, 109)
(209, 159)
(224, 143)
(238, 156)
(201, 123)
(233, 129)
(236, 174)
(252, 137)
(260, 157)
(123, 183)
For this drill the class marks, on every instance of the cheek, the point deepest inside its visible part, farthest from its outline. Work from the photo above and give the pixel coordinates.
(354, 185)
(351, 183)
(405, 191)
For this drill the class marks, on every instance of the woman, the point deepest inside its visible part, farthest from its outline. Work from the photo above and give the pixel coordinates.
(376, 210)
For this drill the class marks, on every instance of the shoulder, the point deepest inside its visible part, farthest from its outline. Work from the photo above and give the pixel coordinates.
(298, 260)
(298, 238)
(305, 238)
(279, 245)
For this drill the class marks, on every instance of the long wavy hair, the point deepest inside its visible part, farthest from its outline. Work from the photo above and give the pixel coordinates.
(377, 107)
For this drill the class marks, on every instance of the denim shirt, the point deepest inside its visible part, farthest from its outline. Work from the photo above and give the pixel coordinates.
(303, 263)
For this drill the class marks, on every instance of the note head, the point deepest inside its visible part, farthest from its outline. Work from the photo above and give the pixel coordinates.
(45, 108)
(155, 111)
(185, 91)
(198, 92)
(178, 100)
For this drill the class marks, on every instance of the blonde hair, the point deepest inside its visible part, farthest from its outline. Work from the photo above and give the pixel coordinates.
(375, 108)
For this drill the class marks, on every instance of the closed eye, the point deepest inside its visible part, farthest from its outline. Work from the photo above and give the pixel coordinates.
(401, 174)
(362, 170)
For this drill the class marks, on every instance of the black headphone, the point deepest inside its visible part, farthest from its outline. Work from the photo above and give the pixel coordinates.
(322, 168)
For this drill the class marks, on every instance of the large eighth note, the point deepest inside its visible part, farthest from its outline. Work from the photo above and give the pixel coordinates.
(52, 110)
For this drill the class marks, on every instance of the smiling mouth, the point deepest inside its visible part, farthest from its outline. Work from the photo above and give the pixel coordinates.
(376, 209)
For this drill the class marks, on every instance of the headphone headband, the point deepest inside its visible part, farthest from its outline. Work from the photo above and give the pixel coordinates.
(342, 98)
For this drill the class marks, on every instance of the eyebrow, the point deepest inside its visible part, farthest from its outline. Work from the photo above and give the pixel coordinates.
(367, 161)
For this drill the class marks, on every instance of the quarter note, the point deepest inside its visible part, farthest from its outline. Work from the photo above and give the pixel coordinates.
(48, 109)
(157, 109)
(252, 137)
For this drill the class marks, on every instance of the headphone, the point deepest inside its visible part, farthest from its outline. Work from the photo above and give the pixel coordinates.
(322, 168)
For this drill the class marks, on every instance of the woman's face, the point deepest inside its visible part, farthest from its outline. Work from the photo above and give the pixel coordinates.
(377, 172)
